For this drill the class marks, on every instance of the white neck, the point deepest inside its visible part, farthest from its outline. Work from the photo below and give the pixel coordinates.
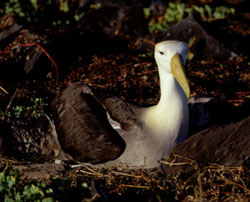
(167, 86)
(168, 114)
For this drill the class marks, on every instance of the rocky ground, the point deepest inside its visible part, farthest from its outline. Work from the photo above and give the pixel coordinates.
(111, 48)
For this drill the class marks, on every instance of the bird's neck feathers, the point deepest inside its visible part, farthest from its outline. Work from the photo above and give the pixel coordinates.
(171, 91)
(172, 106)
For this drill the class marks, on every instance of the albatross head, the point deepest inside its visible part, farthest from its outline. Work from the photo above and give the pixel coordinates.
(170, 57)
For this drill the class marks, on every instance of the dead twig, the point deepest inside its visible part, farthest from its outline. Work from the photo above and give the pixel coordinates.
(90, 173)
(134, 186)
(148, 64)
(7, 21)
(142, 176)
(124, 174)
(216, 168)
(8, 106)
(150, 42)
(238, 185)
(173, 162)
(5, 91)
(242, 92)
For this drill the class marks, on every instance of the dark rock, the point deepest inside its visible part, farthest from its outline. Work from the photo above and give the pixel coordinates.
(113, 19)
(227, 145)
(8, 27)
(29, 139)
(200, 116)
(23, 50)
(208, 111)
(204, 45)
(26, 132)
(34, 57)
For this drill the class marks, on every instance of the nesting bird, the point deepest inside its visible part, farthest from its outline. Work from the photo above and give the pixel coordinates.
(103, 130)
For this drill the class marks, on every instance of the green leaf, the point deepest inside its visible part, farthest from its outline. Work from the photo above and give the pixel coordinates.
(64, 6)
(18, 197)
(10, 181)
(49, 191)
(208, 9)
(34, 4)
(146, 11)
(8, 199)
(48, 199)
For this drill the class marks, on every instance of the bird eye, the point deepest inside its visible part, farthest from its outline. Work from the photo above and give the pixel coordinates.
(162, 53)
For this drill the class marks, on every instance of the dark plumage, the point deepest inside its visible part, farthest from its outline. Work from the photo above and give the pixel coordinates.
(70, 116)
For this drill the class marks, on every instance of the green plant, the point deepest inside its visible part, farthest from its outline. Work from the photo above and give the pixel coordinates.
(34, 11)
(15, 7)
(17, 110)
(64, 6)
(15, 188)
(208, 14)
(11, 190)
(191, 41)
(175, 12)
(96, 6)
(34, 110)
(77, 17)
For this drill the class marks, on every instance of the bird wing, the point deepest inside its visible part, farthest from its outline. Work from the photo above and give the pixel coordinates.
(124, 113)
(83, 129)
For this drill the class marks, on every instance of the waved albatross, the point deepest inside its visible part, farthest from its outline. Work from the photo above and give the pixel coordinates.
(101, 129)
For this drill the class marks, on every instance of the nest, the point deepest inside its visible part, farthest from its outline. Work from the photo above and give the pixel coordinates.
(210, 182)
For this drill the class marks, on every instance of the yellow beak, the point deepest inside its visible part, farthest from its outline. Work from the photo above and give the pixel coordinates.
(178, 71)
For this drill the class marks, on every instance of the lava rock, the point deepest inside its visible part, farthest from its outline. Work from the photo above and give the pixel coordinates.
(227, 145)
(114, 19)
(204, 45)
(207, 111)
(30, 139)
